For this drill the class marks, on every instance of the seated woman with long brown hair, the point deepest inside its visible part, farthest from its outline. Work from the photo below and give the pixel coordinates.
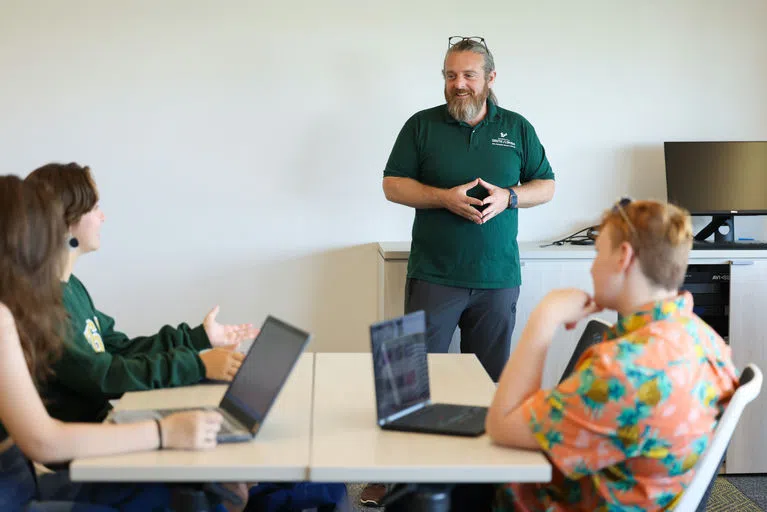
(32, 318)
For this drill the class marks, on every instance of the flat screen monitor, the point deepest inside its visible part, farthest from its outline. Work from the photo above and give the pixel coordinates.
(717, 178)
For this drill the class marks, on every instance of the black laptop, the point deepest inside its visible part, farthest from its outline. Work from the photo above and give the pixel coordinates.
(254, 389)
(403, 399)
(592, 334)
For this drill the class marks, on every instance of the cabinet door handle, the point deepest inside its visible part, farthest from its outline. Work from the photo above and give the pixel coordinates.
(741, 262)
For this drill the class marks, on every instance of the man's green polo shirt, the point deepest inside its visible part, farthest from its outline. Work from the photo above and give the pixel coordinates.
(439, 151)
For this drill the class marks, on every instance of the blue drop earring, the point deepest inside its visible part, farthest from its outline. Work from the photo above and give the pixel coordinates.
(74, 243)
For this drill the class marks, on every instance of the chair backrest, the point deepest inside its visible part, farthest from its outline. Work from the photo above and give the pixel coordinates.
(706, 467)
(592, 334)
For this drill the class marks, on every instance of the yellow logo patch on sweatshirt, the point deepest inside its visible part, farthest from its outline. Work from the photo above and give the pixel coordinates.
(93, 336)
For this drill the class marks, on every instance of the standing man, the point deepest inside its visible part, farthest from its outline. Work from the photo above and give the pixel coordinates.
(467, 167)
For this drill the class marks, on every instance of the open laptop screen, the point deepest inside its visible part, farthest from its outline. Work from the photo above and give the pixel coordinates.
(265, 369)
(400, 363)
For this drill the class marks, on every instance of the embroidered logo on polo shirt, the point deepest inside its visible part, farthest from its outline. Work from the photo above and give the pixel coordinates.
(503, 142)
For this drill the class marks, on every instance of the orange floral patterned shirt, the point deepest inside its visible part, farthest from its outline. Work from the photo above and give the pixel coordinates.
(624, 430)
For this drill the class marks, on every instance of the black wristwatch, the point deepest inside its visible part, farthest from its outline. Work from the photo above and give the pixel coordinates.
(512, 198)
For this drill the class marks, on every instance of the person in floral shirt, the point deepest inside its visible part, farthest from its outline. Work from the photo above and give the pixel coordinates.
(624, 431)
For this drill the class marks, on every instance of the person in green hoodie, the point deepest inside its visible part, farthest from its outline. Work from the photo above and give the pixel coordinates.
(100, 363)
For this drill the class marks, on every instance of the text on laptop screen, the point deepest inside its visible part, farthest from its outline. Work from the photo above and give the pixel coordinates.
(265, 369)
(400, 363)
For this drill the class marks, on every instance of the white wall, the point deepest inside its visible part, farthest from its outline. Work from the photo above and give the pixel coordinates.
(239, 145)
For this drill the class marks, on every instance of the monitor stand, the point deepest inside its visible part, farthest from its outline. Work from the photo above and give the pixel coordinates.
(720, 235)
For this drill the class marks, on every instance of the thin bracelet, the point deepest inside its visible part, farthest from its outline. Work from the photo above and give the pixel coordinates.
(159, 432)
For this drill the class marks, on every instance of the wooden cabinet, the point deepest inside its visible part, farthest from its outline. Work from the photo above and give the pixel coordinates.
(539, 276)
(392, 272)
(544, 269)
(748, 303)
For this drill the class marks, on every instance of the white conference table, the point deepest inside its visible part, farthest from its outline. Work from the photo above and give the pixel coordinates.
(280, 451)
(323, 428)
(348, 445)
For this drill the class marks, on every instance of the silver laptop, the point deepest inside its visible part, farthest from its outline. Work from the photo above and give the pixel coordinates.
(254, 389)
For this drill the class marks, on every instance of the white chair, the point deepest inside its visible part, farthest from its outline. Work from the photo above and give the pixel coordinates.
(707, 466)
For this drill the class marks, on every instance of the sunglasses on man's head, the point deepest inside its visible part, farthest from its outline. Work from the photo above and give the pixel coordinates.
(619, 207)
(454, 40)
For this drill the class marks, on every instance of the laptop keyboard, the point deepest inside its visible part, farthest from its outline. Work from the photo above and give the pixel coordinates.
(228, 426)
(444, 415)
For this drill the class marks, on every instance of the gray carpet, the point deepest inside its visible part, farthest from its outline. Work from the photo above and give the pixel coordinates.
(725, 497)
(753, 486)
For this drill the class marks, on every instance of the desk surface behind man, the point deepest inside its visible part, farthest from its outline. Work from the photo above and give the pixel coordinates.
(280, 451)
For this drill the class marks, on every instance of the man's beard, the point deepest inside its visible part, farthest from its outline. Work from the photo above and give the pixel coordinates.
(466, 108)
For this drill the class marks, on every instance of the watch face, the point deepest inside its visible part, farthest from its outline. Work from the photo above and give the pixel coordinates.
(512, 199)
